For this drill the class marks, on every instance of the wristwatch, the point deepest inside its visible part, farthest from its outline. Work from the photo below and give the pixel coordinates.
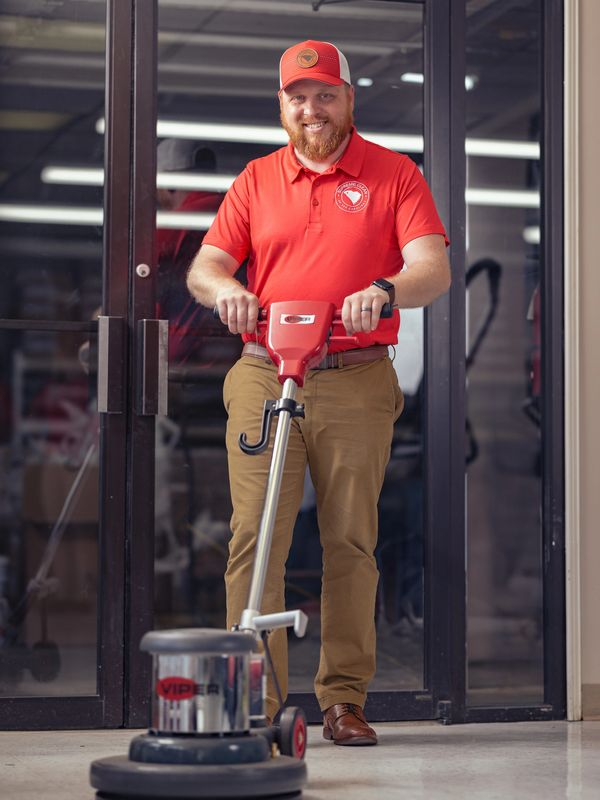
(381, 283)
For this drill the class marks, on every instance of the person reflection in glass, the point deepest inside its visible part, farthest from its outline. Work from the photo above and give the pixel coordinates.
(176, 247)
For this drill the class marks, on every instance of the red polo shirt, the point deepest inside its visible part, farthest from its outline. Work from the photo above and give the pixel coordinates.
(323, 236)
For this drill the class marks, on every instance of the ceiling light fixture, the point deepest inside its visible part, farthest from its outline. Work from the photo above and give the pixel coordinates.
(531, 234)
(262, 134)
(502, 197)
(418, 77)
(82, 176)
(69, 215)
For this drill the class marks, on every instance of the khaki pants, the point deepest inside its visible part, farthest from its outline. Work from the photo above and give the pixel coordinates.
(345, 439)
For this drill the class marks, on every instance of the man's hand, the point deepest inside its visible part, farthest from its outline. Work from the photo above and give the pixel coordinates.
(238, 308)
(210, 281)
(361, 310)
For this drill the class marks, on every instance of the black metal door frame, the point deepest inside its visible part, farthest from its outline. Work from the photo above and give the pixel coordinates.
(140, 529)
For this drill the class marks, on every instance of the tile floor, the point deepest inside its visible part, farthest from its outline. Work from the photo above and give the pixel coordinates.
(413, 761)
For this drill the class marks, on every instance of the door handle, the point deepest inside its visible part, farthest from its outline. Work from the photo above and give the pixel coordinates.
(110, 365)
(153, 367)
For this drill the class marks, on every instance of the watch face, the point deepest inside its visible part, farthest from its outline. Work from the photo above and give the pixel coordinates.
(383, 284)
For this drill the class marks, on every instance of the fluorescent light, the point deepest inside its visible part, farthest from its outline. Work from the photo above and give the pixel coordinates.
(531, 234)
(502, 197)
(56, 215)
(81, 176)
(364, 82)
(69, 215)
(412, 77)
(418, 77)
(183, 221)
(502, 148)
(262, 134)
(207, 183)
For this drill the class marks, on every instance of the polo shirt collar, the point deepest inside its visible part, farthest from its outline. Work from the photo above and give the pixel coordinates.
(351, 161)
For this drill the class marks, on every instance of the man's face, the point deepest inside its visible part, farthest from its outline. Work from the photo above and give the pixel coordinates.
(316, 116)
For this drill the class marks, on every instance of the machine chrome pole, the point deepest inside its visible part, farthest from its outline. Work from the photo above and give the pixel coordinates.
(267, 523)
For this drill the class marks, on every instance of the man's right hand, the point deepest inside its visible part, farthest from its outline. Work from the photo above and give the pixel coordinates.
(238, 308)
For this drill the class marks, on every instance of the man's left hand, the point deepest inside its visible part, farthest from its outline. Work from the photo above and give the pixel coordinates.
(361, 310)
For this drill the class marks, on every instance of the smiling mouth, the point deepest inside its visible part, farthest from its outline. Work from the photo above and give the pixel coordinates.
(315, 126)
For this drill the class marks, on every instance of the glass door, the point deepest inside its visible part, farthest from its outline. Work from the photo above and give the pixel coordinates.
(63, 241)
(217, 110)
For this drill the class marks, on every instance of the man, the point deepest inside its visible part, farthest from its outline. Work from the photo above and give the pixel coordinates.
(329, 217)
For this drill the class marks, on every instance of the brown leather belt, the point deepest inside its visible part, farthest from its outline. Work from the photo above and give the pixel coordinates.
(361, 355)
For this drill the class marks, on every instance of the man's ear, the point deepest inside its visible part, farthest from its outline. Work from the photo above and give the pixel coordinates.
(351, 94)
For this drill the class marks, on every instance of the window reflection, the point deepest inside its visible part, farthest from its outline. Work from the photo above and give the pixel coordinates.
(52, 82)
(503, 367)
(48, 515)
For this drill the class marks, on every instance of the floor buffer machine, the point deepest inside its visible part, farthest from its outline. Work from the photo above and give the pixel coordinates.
(209, 736)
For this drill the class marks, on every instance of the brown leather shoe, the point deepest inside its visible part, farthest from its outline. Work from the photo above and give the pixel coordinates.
(345, 723)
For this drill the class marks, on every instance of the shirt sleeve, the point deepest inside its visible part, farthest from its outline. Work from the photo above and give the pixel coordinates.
(416, 214)
(230, 230)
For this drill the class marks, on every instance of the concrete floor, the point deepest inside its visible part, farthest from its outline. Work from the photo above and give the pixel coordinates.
(548, 760)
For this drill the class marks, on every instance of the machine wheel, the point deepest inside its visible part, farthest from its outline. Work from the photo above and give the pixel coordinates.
(120, 777)
(44, 661)
(292, 732)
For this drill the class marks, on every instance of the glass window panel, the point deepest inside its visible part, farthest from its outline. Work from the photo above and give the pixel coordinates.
(51, 158)
(504, 490)
(216, 77)
(48, 514)
(51, 176)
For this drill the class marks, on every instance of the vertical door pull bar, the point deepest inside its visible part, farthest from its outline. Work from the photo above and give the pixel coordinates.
(110, 365)
(153, 377)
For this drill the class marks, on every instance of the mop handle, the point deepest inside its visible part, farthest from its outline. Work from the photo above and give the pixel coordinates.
(267, 523)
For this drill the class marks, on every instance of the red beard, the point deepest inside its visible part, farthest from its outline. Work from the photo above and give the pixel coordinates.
(318, 149)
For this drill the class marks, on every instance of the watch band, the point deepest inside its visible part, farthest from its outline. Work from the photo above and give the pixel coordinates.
(387, 286)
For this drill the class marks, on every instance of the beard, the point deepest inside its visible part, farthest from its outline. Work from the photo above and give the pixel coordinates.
(318, 149)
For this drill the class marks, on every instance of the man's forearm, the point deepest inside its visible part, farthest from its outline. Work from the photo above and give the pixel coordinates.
(206, 278)
(420, 284)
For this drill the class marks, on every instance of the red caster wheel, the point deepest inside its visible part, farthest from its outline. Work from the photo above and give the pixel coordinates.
(292, 732)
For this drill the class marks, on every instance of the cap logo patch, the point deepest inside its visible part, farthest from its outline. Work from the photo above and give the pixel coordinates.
(307, 58)
(352, 196)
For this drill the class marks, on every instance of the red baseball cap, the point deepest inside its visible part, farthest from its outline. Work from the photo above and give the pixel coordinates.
(319, 61)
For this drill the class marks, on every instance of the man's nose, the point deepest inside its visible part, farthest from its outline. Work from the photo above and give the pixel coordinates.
(310, 106)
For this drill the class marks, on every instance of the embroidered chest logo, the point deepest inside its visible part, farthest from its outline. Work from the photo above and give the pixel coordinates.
(352, 196)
